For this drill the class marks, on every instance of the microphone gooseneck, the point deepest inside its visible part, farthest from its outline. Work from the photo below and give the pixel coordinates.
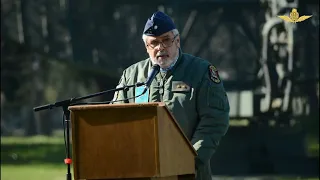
(154, 71)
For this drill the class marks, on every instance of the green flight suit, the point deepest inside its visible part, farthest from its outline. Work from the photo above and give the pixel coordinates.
(197, 100)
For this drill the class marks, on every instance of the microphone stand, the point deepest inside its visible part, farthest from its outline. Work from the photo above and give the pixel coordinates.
(65, 104)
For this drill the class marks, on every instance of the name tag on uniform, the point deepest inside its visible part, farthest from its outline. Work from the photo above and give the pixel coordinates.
(143, 98)
(180, 86)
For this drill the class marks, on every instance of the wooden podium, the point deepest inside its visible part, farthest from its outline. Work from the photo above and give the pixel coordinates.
(124, 141)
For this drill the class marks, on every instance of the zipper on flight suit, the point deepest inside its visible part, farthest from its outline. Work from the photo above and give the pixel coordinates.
(162, 83)
(161, 90)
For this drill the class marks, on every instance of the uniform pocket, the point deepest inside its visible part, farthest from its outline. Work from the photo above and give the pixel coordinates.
(181, 91)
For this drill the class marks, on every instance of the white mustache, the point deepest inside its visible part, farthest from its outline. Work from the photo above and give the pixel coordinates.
(162, 53)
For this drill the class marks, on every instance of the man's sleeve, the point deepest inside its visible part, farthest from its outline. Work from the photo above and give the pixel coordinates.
(119, 96)
(213, 110)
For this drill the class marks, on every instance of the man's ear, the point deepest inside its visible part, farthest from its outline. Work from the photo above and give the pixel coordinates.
(147, 48)
(178, 41)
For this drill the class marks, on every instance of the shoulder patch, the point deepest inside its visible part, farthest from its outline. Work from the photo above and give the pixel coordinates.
(213, 74)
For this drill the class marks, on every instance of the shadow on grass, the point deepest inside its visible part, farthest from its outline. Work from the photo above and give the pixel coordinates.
(32, 153)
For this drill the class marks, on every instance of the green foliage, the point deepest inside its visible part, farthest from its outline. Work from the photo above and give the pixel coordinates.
(35, 150)
(49, 82)
(31, 140)
(312, 146)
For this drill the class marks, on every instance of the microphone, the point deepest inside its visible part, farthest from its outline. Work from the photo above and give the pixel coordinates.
(154, 71)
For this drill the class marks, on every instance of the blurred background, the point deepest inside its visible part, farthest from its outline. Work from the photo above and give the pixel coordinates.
(53, 50)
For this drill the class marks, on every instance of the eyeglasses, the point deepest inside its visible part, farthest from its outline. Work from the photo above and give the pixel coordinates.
(167, 42)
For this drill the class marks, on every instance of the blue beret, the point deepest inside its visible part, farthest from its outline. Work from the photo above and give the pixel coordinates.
(158, 24)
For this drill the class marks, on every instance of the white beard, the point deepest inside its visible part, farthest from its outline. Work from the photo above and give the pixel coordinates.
(164, 63)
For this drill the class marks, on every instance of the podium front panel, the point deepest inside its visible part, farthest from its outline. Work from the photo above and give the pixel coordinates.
(115, 143)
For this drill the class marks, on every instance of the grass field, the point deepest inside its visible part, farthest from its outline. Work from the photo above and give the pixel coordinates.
(41, 158)
(32, 158)
(57, 172)
(33, 172)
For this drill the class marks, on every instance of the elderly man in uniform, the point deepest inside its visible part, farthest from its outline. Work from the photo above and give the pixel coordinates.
(188, 85)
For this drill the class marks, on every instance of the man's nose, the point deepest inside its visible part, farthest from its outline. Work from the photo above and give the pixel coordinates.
(160, 46)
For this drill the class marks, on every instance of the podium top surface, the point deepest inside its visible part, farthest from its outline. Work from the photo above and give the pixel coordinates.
(108, 106)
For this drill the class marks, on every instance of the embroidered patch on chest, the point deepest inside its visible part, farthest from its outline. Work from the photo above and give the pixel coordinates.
(214, 75)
